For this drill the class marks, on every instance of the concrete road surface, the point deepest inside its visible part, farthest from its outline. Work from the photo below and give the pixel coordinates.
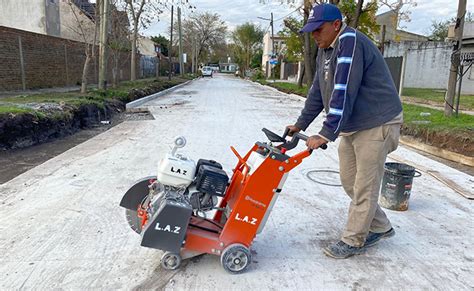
(61, 226)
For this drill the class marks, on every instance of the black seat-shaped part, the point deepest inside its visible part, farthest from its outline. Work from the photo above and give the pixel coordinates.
(273, 137)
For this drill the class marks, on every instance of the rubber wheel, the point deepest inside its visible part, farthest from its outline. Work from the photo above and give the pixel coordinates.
(236, 258)
(133, 220)
(170, 261)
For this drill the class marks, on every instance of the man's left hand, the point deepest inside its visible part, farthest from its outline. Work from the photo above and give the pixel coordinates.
(315, 142)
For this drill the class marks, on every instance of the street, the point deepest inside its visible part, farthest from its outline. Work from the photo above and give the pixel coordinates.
(61, 225)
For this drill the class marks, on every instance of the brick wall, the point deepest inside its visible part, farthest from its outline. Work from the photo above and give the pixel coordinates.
(48, 61)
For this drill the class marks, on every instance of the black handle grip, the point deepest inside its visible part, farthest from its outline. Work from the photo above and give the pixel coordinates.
(295, 139)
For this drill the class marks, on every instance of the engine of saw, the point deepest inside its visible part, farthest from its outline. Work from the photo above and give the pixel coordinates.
(183, 188)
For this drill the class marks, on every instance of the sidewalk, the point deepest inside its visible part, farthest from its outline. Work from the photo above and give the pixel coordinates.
(4, 94)
(437, 107)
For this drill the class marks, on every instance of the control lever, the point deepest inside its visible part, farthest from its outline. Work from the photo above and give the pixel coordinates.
(295, 139)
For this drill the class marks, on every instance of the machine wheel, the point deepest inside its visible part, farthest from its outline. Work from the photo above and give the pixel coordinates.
(170, 261)
(133, 220)
(236, 258)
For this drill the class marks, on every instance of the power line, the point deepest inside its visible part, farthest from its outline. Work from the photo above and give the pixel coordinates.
(289, 13)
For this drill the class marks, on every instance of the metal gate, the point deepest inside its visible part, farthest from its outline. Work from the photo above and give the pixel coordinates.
(395, 65)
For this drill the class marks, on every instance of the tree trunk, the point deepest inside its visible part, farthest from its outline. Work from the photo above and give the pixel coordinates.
(308, 63)
(85, 69)
(301, 78)
(355, 21)
(133, 59)
(115, 69)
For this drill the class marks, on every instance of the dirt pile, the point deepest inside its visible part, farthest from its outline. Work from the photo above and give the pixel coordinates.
(451, 141)
(51, 122)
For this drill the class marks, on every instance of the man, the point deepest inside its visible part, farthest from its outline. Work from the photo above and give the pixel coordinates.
(354, 86)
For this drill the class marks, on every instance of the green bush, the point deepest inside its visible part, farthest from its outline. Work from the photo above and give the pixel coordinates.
(258, 75)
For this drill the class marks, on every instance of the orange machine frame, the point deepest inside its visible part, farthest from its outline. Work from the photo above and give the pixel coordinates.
(249, 197)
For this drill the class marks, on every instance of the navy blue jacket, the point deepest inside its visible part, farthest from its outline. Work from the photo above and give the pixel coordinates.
(359, 92)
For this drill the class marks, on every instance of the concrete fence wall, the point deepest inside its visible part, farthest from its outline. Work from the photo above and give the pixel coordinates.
(30, 60)
(427, 64)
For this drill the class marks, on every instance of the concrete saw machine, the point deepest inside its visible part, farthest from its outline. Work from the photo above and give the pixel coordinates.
(191, 208)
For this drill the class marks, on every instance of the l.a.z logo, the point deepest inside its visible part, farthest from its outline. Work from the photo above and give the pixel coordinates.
(168, 228)
(247, 219)
(178, 171)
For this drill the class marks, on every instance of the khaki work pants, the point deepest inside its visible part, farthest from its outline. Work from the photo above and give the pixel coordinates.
(361, 161)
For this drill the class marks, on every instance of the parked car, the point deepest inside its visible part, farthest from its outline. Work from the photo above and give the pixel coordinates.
(207, 71)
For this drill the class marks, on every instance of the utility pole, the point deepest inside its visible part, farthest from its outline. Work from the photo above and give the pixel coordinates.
(455, 62)
(104, 15)
(273, 47)
(196, 57)
(181, 64)
(170, 49)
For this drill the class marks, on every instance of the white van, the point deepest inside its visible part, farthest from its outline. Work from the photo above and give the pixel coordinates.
(207, 71)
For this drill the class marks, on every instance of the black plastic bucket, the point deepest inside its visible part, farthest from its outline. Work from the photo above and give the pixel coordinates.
(396, 186)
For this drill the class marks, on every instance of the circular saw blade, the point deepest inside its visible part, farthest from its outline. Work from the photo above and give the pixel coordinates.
(133, 220)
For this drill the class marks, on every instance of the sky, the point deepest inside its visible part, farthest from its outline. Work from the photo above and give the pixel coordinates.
(237, 12)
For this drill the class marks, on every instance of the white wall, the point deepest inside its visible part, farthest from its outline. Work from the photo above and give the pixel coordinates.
(267, 50)
(427, 64)
(26, 15)
(75, 25)
(146, 46)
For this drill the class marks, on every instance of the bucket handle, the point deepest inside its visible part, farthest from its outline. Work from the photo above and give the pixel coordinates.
(416, 175)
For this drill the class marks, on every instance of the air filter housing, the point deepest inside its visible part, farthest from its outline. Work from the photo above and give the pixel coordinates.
(211, 180)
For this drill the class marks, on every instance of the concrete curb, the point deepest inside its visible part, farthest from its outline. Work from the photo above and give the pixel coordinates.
(138, 102)
(276, 90)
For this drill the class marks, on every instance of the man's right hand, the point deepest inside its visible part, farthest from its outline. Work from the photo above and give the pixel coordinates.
(292, 130)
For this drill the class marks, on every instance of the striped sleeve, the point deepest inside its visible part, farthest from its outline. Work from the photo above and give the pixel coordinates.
(347, 79)
(313, 105)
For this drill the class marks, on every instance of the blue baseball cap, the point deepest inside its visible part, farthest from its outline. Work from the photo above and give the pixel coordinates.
(319, 15)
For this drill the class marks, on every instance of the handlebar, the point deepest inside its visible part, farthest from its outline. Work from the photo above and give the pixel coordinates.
(294, 141)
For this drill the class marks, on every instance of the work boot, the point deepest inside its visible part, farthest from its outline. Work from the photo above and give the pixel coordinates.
(373, 237)
(341, 250)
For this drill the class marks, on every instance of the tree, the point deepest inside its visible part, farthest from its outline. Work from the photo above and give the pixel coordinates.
(294, 40)
(86, 31)
(203, 34)
(294, 43)
(248, 40)
(141, 13)
(118, 40)
(439, 29)
(401, 7)
(163, 42)
(360, 16)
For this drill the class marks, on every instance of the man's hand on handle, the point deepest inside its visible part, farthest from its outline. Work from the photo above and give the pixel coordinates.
(315, 142)
(292, 130)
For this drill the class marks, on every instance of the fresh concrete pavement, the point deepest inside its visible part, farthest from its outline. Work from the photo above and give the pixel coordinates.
(61, 226)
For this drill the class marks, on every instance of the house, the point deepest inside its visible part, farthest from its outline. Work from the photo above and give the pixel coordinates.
(61, 18)
(37, 16)
(389, 31)
(228, 67)
(268, 43)
(146, 46)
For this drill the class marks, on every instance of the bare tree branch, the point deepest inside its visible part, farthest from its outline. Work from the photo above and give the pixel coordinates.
(400, 7)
